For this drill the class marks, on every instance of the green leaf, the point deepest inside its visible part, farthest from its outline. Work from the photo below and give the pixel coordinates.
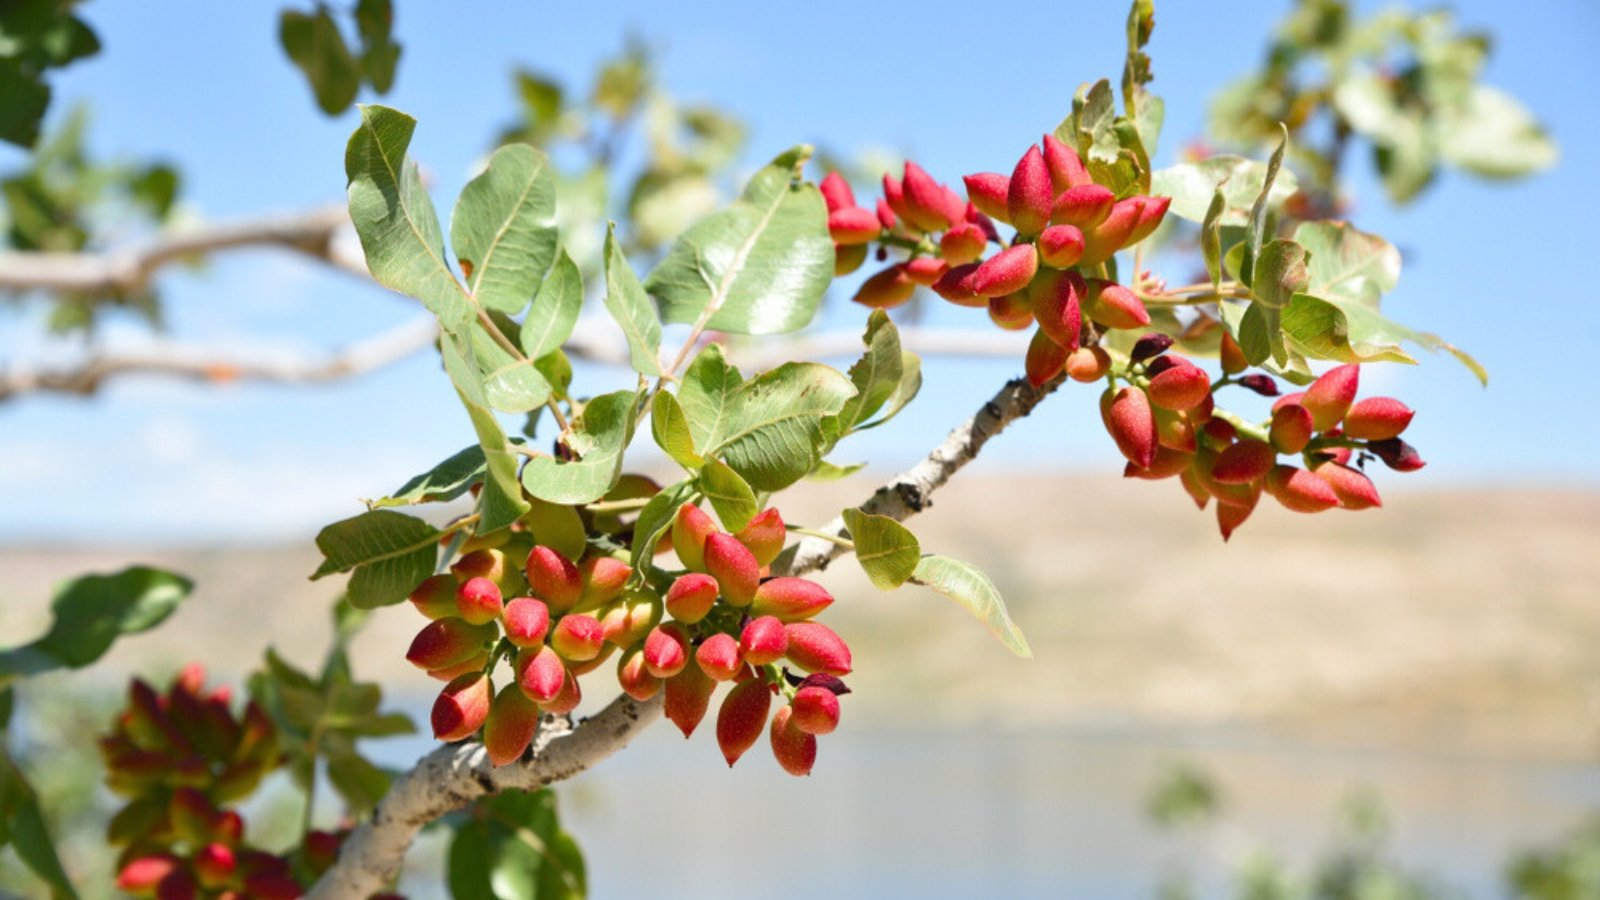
(1211, 237)
(1193, 187)
(670, 428)
(395, 219)
(380, 53)
(768, 429)
(358, 781)
(390, 552)
(656, 518)
(599, 435)
(1495, 136)
(503, 229)
(511, 382)
(1258, 212)
(628, 304)
(887, 551)
(22, 825)
(904, 392)
(1280, 273)
(89, 613)
(446, 481)
(1351, 331)
(318, 50)
(760, 266)
(968, 586)
(876, 375)
(558, 527)
(734, 501)
(511, 846)
(1348, 263)
(501, 502)
(555, 309)
(24, 97)
(826, 471)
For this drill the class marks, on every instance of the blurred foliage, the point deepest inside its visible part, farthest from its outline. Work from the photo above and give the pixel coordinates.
(1183, 795)
(315, 43)
(35, 36)
(1568, 870)
(1407, 82)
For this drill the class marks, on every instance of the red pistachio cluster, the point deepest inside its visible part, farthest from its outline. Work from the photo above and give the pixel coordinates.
(1165, 421)
(181, 758)
(1066, 228)
(722, 619)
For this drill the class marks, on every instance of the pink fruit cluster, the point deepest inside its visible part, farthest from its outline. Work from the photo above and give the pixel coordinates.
(182, 757)
(722, 619)
(1049, 273)
(1166, 423)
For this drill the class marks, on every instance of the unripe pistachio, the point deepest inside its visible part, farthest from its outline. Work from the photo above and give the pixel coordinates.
(1167, 463)
(274, 886)
(847, 258)
(540, 674)
(1291, 428)
(635, 678)
(1131, 424)
(924, 200)
(666, 650)
(478, 601)
(1180, 387)
(554, 579)
(475, 663)
(1233, 359)
(139, 876)
(1300, 491)
(604, 578)
(1045, 359)
(1229, 494)
(1230, 517)
(1377, 419)
(461, 707)
(887, 289)
(741, 718)
(836, 192)
(763, 640)
(1354, 490)
(577, 637)
(526, 621)
(509, 728)
(1084, 206)
(1114, 306)
(321, 850)
(816, 710)
(1244, 462)
(626, 621)
(1029, 193)
(816, 648)
(1088, 364)
(718, 656)
(1396, 454)
(1006, 272)
(190, 814)
(795, 750)
(853, 225)
(690, 529)
(1150, 216)
(687, 697)
(963, 243)
(567, 700)
(1329, 397)
(1065, 165)
(691, 597)
(989, 192)
(1057, 301)
(925, 270)
(1194, 487)
(487, 563)
(1061, 246)
(576, 668)
(955, 285)
(764, 535)
(894, 195)
(790, 599)
(445, 642)
(1011, 311)
(886, 216)
(1287, 399)
(734, 567)
(1106, 238)
(435, 597)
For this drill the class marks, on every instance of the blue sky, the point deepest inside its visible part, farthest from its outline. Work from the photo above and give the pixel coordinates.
(1498, 269)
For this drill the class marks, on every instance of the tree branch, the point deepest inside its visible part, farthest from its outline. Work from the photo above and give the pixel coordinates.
(126, 272)
(455, 775)
(198, 364)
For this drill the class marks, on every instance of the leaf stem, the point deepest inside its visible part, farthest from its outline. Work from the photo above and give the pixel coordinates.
(846, 543)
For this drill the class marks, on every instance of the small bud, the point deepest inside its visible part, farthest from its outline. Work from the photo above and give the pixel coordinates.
(1355, 490)
(445, 642)
(1114, 306)
(1057, 302)
(1006, 272)
(690, 529)
(1291, 428)
(816, 710)
(1061, 246)
(1065, 165)
(816, 648)
(1148, 345)
(718, 656)
(540, 674)
(836, 192)
(1029, 193)
(886, 216)
(1396, 454)
(1045, 359)
(635, 677)
(461, 707)
(795, 750)
(763, 640)
(734, 567)
(1233, 361)
(955, 285)
(526, 621)
(478, 601)
(1180, 387)
(625, 622)
(894, 195)
(925, 270)
(853, 225)
(1377, 419)
(1012, 312)
(666, 650)
(687, 697)
(741, 718)
(790, 599)
(1244, 462)
(577, 637)
(924, 200)
(554, 579)
(848, 258)
(989, 192)
(691, 597)
(603, 580)
(764, 536)
(1261, 384)
(1088, 364)
(435, 597)
(963, 243)
(508, 731)
(1084, 206)
(887, 289)
(1300, 491)
(1131, 424)
(1329, 397)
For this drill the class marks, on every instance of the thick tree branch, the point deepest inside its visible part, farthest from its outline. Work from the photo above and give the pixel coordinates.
(126, 272)
(200, 364)
(455, 775)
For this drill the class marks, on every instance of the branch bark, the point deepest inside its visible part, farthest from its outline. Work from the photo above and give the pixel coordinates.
(453, 776)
